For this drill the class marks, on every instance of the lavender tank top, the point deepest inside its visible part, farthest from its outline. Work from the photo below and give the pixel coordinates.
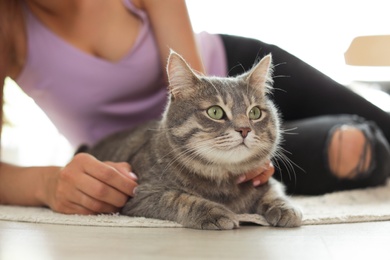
(87, 97)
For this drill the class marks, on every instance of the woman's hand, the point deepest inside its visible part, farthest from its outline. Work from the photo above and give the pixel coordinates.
(89, 186)
(259, 176)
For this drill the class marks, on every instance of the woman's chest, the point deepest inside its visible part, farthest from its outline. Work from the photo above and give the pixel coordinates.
(108, 35)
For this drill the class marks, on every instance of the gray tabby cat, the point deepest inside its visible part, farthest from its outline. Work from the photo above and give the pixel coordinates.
(213, 130)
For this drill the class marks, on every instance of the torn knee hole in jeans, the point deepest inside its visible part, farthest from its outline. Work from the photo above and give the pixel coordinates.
(349, 152)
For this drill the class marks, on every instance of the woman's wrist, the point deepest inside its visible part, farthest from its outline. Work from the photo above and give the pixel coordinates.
(26, 186)
(47, 182)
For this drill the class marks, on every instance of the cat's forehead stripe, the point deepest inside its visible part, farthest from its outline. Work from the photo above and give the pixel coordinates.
(232, 91)
(228, 103)
(242, 101)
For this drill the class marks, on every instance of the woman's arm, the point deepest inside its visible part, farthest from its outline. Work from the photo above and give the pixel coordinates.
(8, 9)
(23, 186)
(173, 30)
(84, 186)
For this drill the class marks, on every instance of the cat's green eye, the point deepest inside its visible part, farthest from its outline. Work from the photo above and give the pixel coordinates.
(255, 113)
(216, 112)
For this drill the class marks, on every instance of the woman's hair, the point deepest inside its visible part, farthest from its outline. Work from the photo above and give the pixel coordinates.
(9, 10)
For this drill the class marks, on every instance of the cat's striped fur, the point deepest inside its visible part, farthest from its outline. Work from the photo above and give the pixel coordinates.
(188, 162)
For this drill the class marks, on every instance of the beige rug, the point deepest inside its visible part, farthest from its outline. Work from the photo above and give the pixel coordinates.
(364, 205)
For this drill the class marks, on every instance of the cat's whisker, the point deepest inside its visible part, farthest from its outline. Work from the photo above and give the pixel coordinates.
(201, 150)
(288, 131)
(278, 64)
(154, 129)
(281, 76)
(238, 65)
(189, 159)
(186, 155)
(283, 151)
(279, 89)
(178, 157)
(288, 164)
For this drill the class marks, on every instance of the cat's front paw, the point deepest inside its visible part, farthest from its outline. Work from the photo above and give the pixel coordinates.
(284, 215)
(218, 219)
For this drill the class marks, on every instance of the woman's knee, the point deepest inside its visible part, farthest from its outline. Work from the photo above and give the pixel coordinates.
(349, 152)
(358, 150)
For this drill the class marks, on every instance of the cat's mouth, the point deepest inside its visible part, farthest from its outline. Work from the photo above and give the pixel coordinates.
(244, 142)
(239, 143)
(241, 146)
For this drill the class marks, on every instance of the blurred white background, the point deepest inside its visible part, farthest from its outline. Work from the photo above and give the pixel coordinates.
(318, 32)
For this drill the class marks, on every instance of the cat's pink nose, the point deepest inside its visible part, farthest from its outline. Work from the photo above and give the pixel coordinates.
(243, 130)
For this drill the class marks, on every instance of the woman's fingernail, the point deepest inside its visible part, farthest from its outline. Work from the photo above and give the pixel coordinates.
(256, 183)
(135, 190)
(132, 175)
(241, 179)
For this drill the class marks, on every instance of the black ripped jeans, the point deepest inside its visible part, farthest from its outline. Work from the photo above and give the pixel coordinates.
(313, 105)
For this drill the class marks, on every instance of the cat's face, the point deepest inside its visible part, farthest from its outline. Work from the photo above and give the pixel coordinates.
(222, 120)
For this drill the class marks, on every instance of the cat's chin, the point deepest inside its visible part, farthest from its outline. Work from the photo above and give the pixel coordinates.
(238, 154)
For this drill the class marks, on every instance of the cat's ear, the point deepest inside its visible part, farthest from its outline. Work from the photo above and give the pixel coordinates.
(260, 76)
(180, 76)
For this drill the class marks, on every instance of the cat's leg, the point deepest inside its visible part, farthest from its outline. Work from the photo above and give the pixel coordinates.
(277, 209)
(181, 207)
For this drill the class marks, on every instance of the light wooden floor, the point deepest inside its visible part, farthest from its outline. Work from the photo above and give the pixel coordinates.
(370, 241)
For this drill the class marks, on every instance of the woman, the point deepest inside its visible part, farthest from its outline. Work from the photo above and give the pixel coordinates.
(96, 67)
